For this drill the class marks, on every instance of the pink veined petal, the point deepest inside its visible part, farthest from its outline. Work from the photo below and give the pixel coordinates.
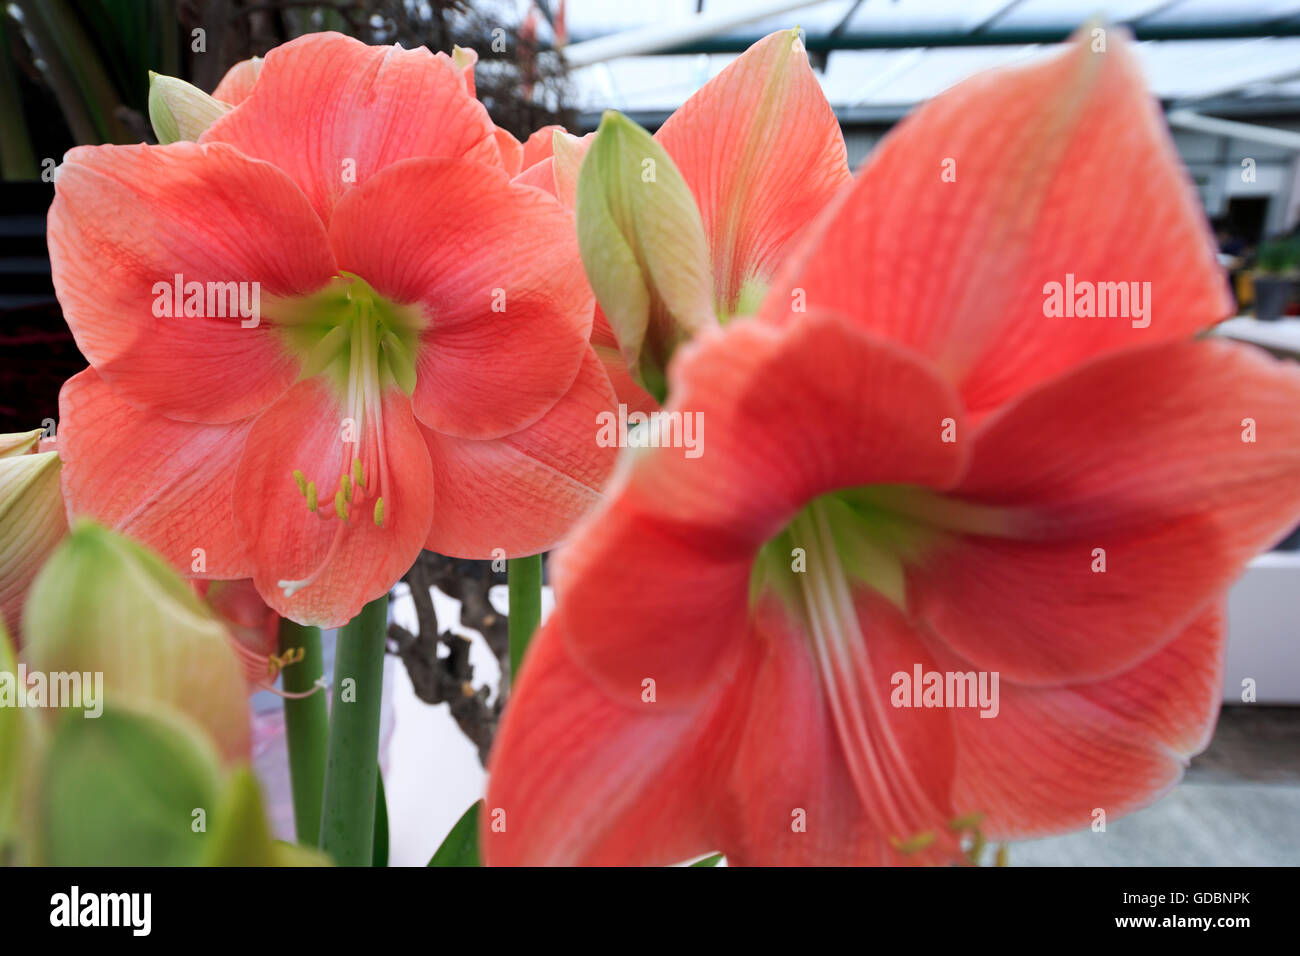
(287, 542)
(628, 390)
(524, 492)
(683, 527)
(1170, 466)
(332, 112)
(827, 771)
(755, 768)
(583, 778)
(167, 484)
(565, 164)
(538, 146)
(1055, 755)
(512, 152)
(761, 150)
(238, 82)
(541, 176)
(1011, 180)
(127, 220)
(495, 268)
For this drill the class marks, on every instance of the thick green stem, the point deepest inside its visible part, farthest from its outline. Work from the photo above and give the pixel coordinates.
(524, 581)
(347, 828)
(306, 727)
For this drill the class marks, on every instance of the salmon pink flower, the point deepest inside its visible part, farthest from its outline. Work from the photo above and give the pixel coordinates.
(923, 474)
(302, 328)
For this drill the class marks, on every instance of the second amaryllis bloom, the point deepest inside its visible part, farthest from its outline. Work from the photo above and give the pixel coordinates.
(329, 334)
(950, 560)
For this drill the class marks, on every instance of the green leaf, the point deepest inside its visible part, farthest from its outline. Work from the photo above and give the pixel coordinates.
(128, 789)
(709, 860)
(460, 848)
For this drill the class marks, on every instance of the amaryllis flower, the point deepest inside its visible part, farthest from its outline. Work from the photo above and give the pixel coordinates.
(923, 474)
(327, 335)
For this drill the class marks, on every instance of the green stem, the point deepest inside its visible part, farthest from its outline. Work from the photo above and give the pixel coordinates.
(524, 581)
(347, 829)
(306, 726)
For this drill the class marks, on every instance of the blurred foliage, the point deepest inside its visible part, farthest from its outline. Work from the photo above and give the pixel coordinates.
(75, 72)
(1280, 256)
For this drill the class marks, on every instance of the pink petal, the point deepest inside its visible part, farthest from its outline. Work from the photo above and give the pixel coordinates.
(238, 82)
(524, 492)
(538, 146)
(495, 267)
(512, 152)
(126, 220)
(331, 112)
(167, 484)
(287, 542)
(1139, 454)
(761, 150)
(1062, 167)
(1054, 755)
(578, 777)
(691, 526)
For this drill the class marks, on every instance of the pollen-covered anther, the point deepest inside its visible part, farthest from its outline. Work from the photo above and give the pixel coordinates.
(913, 844)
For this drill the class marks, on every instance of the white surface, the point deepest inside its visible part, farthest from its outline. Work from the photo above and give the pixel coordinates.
(1263, 627)
(435, 774)
(1283, 334)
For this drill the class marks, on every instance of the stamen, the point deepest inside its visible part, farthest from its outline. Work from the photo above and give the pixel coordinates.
(374, 353)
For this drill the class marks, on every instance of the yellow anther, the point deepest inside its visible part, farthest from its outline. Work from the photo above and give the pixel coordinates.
(311, 496)
(301, 479)
(274, 664)
(340, 505)
(379, 512)
(1003, 856)
(913, 844)
(969, 822)
(357, 477)
(345, 486)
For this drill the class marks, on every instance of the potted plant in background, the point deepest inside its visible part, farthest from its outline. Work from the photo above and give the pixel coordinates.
(1277, 269)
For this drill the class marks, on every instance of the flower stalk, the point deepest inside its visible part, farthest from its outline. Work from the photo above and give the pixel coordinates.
(524, 581)
(306, 722)
(347, 830)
